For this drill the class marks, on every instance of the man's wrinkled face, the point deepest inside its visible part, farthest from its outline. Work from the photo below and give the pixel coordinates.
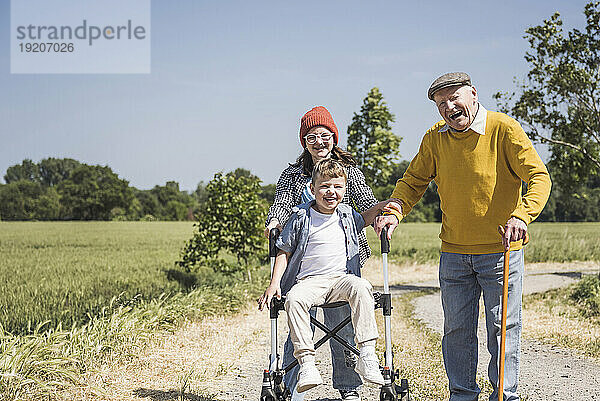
(457, 105)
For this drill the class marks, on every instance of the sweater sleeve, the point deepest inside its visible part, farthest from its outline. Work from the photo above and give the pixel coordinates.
(284, 200)
(411, 187)
(527, 164)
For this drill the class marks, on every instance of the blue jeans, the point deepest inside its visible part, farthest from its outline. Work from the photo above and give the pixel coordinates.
(343, 361)
(462, 280)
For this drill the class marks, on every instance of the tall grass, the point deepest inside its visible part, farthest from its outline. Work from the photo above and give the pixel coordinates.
(564, 242)
(587, 295)
(77, 295)
(40, 364)
(566, 317)
(549, 242)
(67, 272)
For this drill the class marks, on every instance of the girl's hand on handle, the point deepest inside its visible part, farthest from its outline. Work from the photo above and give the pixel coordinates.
(274, 223)
(266, 298)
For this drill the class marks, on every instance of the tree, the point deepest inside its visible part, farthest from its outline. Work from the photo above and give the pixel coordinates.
(91, 192)
(176, 210)
(579, 204)
(371, 140)
(148, 203)
(267, 192)
(27, 170)
(47, 205)
(134, 212)
(173, 204)
(22, 199)
(200, 193)
(53, 171)
(230, 219)
(242, 172)
(559, 104)
(48, 172)
(12, 203)
(170, 191)
(427, 209)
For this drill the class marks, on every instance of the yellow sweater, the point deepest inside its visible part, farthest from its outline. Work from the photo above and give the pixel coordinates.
(479, 182)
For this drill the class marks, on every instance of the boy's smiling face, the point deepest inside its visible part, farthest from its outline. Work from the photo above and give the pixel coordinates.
(328, 192)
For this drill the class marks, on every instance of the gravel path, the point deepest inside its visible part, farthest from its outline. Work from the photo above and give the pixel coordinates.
(546, 373)
(324, 392)
(223, 359)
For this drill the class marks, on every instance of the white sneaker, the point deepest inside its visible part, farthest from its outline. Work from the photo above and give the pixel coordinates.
(368, 368)
(308, 377)
(296, 396)
(350, 395)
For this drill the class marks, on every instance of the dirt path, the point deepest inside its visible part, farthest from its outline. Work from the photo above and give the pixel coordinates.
(546, 373)
(222, 358)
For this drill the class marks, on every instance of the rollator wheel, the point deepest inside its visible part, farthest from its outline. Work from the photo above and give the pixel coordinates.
(402, 391)
(387, 394)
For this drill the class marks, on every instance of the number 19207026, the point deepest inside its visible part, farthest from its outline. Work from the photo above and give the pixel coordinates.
(46, 47)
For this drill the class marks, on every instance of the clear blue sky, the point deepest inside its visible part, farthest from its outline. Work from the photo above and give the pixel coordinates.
(231, 79)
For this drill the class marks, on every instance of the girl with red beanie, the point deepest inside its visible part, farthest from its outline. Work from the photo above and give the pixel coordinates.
(319, 139)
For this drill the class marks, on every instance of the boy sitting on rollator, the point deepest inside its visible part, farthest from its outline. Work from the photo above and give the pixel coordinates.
(318, 263)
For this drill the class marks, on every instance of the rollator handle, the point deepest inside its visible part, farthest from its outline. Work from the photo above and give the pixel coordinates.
(273, 234)
(385, 242)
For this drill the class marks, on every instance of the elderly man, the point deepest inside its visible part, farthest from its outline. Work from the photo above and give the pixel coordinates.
(478, 159)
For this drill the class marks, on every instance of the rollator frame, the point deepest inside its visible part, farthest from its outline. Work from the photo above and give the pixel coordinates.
(273, 388)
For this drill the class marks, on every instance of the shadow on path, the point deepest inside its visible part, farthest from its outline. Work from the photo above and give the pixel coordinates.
(160, 395)
(576, 275)
(401, 288)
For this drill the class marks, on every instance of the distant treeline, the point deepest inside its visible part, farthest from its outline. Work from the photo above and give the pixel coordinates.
(66, 189)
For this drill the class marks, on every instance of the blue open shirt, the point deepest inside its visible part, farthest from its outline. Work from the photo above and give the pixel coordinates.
(294, 238)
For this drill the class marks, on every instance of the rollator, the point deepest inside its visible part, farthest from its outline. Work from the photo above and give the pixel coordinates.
(273, 387)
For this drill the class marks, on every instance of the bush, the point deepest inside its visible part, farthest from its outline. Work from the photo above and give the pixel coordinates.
(230, 220)
(587, 294)
(148, 217)
(118, 214)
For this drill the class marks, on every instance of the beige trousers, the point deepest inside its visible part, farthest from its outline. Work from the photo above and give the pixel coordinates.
(317, 290)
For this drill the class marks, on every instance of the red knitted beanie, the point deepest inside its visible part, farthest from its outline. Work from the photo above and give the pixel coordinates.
(317, 116)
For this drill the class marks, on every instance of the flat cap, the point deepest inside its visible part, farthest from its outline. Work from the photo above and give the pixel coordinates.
(449, 79)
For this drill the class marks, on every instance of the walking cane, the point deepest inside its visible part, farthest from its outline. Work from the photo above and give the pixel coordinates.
(504, 306)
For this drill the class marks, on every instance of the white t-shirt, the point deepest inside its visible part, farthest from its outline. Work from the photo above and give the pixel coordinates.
(326, 247)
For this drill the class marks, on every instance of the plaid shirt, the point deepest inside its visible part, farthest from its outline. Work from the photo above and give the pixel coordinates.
(288, 193)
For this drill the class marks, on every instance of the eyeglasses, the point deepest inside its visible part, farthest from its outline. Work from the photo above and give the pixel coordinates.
(312, 138)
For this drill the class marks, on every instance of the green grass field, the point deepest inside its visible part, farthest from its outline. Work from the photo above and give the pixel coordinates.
(64, 272)
(549, 242)
(106, 290)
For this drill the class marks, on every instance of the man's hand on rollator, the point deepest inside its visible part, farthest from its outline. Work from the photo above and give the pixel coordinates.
(388, 220)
